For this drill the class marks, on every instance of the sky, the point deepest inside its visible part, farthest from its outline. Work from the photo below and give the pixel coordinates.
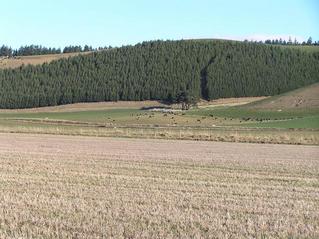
(58, 23)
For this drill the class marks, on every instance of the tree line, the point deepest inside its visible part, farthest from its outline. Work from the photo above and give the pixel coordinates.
(69, 49)
(280, 41)
(171, 71)
(294, 42)
(31, 50)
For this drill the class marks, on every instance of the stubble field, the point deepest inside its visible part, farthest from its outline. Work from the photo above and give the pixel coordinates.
(89, 187)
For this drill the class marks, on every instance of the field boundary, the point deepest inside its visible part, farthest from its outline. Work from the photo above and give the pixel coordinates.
(217, 134)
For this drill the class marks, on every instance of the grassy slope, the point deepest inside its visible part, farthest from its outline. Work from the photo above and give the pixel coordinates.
(295, 109)
(226, 124)
(302, 98)
(260, 114)
(264, 118)
(219, 116)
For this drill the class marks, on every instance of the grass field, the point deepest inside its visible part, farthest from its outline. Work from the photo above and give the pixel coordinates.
(217, 122)
(87, 187)
(275, 119)
(221, 116)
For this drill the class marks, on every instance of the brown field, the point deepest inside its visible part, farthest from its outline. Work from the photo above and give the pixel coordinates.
(89, 106)
(34, 60)
(89, 187)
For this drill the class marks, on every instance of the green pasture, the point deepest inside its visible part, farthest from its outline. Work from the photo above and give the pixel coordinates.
(206, 117)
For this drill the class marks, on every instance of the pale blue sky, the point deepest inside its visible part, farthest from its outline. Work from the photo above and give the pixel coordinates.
(58, 23)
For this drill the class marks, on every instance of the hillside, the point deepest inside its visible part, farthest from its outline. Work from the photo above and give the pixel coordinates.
(310, 49)
(161, 70)
(303, 98)
(18, 61)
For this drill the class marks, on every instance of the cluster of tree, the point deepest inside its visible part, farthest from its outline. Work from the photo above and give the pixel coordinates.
(35, 50)
(280, 41)
(6, 51)
(174, 71)
(40, 50)
(69, 49)
(28, 51)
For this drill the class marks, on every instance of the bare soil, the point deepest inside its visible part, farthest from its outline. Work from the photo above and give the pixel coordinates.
(89, 187)
(230, 101)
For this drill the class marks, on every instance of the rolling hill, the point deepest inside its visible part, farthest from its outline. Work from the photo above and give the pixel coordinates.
(15, 62)
(170, 71)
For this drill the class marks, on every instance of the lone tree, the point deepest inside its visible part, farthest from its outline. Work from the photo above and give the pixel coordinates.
(309, 41)
(186, 99)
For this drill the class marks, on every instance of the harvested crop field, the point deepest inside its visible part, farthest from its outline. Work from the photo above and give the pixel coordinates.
(89, 187)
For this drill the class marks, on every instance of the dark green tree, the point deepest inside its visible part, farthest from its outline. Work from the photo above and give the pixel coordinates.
(309, 41)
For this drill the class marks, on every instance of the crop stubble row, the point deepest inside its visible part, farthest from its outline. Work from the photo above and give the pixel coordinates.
(87, 187)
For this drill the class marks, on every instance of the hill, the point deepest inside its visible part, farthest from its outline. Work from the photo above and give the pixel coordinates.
(171, 71)
(303, 98)
(15, 62)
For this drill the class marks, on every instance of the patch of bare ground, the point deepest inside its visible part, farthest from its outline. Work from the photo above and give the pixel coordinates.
(229, 101)
(88, 187)
(306, 97)
(90, 106)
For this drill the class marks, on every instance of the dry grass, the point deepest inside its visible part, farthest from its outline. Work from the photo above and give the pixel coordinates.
(130, 105)
(302, 98)
(88, 106)
(86, 187)
(34, 60)
(221, 134)
(230, 101)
